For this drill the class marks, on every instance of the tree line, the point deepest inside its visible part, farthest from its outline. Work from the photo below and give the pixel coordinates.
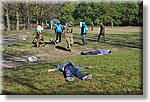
(23, 14)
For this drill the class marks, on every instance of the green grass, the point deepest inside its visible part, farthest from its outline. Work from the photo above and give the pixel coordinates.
(118, 73)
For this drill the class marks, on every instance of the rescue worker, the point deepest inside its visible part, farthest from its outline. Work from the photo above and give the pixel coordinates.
(69, 35)
(84, 31)
(39, 40)
(58, 30)
(102, 32)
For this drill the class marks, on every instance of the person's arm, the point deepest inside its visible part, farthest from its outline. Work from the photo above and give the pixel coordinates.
(51, 70)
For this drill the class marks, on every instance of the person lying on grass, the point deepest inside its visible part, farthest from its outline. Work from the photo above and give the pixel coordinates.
(69, 69)
(97, 52)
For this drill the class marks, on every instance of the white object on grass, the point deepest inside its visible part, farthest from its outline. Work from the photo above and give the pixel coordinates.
(32, 58)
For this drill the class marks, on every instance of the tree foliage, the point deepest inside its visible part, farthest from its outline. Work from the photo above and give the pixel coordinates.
(120, 13)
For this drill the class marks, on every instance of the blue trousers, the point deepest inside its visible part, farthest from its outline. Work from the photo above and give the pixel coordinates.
(71, 70)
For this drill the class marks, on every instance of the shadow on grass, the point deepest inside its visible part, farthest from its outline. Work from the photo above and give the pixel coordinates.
(78, 43)
(50, 42)
(61, 48)
(20, 81)
(131, 41)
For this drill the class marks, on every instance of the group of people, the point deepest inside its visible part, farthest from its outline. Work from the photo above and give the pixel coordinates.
(67, 29)
(68, 68)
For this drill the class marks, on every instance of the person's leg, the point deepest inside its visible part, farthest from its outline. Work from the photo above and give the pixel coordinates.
(59, 37)
(83, 38)
(41, 40)
(67, 40)
(37, 43)
(38, 40)
(69, 74)
(80, 75)
(76, 72)
(104, 36)
(99, 37)
(71, 39)
(56, 37)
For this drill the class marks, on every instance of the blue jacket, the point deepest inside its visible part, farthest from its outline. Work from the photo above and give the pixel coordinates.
(59, 28)
(84, 28)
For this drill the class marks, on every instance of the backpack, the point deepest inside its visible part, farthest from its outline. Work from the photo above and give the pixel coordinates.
(85, 29)
(59, 28)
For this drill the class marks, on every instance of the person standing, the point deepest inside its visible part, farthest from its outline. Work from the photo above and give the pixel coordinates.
(102, 32)
(92, 26)
(69, 35)
(84, 31)
(58, 30)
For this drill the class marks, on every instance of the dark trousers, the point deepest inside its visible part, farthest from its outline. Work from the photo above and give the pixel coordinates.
(71, 70)
(91, 52)
(101, 34)
(84, 39)
(58, 37)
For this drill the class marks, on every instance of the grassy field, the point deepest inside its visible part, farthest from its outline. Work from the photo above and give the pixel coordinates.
(119, 73)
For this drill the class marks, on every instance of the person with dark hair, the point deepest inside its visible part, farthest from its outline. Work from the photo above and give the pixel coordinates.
(97, 52)
(69, 69)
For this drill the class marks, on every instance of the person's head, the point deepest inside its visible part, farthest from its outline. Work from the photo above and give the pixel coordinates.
(70, 23)
(39, 25)
(83, 24)
(109, 51)
(101, 23)
(58, 23)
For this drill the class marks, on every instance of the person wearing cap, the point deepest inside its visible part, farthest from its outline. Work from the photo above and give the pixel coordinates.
(70, 70)
(102, 32)
(84, 31)
(58, 30)
(69, 35)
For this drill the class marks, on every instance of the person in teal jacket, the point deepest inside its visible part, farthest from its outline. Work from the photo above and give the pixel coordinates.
(58, 31)
(84, 31)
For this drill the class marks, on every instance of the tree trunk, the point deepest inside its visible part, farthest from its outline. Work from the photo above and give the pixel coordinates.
(28, 16)
(37, 13)
(17, 17)
(7, 19)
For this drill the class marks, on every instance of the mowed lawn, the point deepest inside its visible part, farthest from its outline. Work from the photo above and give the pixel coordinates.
(119, 73)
